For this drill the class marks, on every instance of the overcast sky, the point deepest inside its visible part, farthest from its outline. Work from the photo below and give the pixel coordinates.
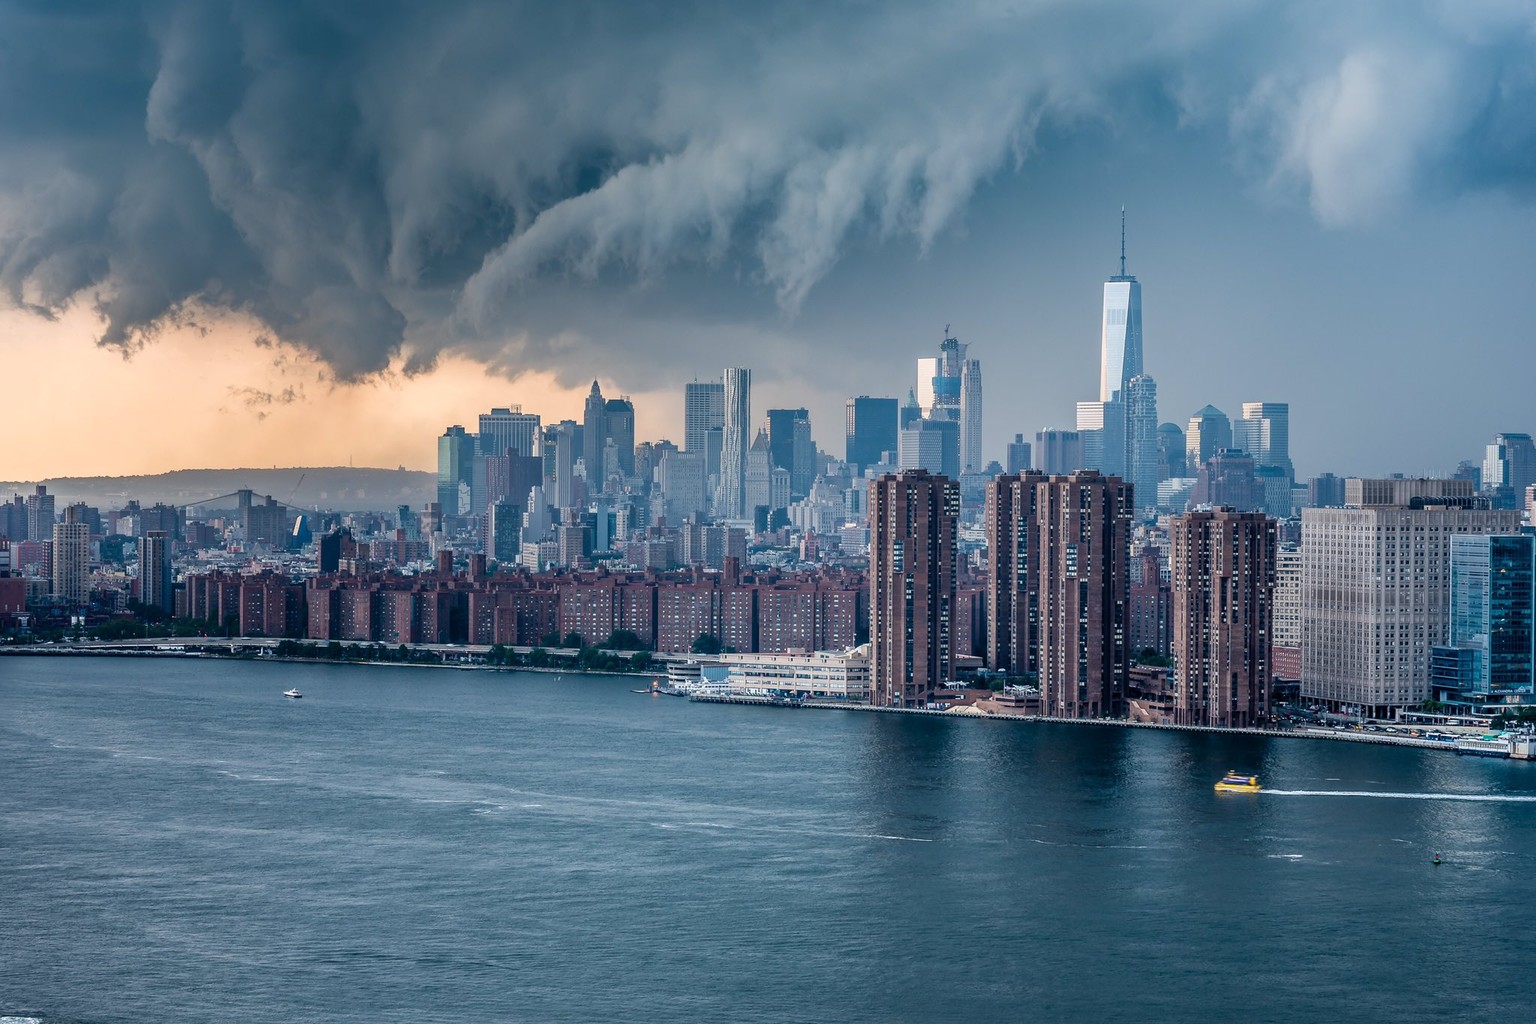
(322, 231)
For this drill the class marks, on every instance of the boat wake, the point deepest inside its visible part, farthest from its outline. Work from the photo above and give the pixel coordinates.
(1490, 798)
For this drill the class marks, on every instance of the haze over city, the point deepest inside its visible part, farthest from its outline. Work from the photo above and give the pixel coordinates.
(315, 235)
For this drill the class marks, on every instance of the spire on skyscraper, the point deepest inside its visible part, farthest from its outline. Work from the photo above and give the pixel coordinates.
(1122, 240)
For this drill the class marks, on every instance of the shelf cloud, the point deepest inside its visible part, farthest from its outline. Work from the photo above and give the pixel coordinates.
(388, 180)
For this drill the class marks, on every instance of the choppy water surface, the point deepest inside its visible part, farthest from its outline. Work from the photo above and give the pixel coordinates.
(180, 843)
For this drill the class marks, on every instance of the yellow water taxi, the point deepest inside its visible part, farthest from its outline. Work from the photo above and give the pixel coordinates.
(1232, 782)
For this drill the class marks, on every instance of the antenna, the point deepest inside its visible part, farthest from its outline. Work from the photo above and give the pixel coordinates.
(1122, 241)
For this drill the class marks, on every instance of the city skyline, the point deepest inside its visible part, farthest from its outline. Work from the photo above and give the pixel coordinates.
(1250, 204)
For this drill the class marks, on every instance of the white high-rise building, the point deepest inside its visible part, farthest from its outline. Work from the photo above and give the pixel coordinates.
(1287, 631)
(71, 558)
(1101, 426)
(703, 410)
(733, 448)
(1375, 595)
(1265, 433)
(970, 415)
(1120, 342)
(501, 429)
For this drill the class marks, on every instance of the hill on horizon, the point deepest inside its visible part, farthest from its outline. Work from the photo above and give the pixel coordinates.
(343, 488)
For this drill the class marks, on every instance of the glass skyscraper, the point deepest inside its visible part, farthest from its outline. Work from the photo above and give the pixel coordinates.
(1492, 589)
(1120, 342)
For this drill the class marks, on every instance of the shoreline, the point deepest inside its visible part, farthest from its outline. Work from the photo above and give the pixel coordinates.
(151, 649)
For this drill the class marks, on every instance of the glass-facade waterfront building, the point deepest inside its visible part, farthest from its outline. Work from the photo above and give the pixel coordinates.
(1493, 582)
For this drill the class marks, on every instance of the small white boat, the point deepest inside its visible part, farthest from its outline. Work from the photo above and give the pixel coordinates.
(292, 693)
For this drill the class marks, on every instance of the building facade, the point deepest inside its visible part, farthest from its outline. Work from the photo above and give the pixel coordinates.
(1223, 569)
(914, 516)
(1083, 524)
(1375, 594)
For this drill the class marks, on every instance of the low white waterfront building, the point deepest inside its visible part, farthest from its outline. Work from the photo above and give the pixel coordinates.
(813, 675)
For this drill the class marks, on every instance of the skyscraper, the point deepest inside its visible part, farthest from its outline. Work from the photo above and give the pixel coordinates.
(970, 415)
(790, 447)
(455, 453)
(1509, 467)
(871, 430)
(156, 586)
(1013, 577)
(619, 424)
(71, 556)
(563, 472)
(594, 438)
(1120, 341)
(1083, 530)
(933, 445)
(1059, 452)
(949, 390)
(703, 411)
(733, 449)
(913, 518)
(509, 428)
(1101, 426)
(1227, 479)
(40, 514)
(1265, 433)
(1141, 442)
(1170, 452)
(1209, 432)
(1223, 566)
(1019, 455)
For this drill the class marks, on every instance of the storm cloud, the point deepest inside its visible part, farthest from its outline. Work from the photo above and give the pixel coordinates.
(372, 181)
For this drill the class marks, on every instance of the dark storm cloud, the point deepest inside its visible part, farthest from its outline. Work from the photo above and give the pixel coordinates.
(372, 179)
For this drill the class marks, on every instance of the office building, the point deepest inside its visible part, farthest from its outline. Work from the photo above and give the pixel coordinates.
(734, 442)
(1170, 452)
(1120, 342)
(1209, 432)
(1101, 426)
(703, 409)
(790, 447)
(560, 467)
(1223, 582)
(1013, 596)
(509, 429)
(970, 415)
(156, 584)
(1265, 433)
(1493, 620)
(1058, 452)
(619, 424)
(933, 445)
(683, 485)
(870, 430)
(1375, 591)
(1020, 455)
(71, 557)
(594, 438)
(1509, 467)
(913, 520)
(455, 454)
(1083, 528)
(504, 530)
(1141, 438)
(1227, 479)
(40, 514)
(1326, 491)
